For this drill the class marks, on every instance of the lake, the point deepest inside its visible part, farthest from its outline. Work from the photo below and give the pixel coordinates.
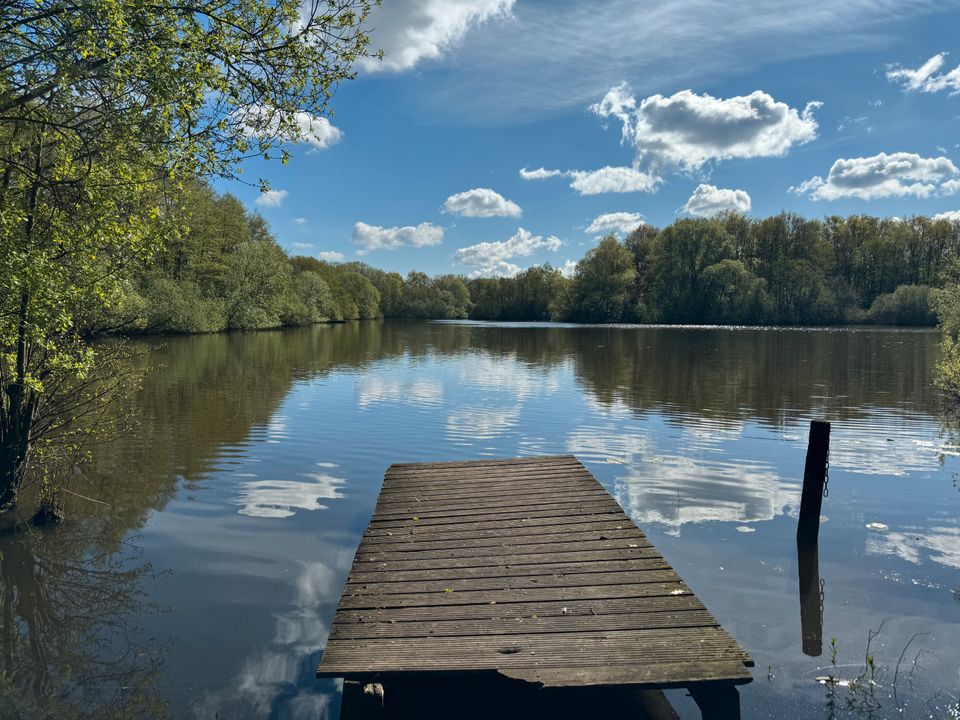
(205, 586)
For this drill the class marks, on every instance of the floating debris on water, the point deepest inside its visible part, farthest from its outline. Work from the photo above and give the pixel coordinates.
(745, 529)
(879, 527)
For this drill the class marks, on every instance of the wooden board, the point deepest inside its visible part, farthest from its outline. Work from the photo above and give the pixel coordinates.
(527, 568)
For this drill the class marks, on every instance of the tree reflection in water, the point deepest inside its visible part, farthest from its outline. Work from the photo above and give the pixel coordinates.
(68, 647)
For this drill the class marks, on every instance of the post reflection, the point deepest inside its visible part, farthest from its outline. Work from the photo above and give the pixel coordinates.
(811, 598)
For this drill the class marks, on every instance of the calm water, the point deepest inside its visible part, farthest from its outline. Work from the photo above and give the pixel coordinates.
(205, 587)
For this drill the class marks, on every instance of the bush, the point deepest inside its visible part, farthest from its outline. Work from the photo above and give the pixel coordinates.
(174, 307)
(907, 305)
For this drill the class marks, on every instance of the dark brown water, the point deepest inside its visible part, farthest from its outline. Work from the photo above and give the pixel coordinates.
(205, 585)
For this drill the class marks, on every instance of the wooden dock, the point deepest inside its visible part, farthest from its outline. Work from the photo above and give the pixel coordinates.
(525, 568)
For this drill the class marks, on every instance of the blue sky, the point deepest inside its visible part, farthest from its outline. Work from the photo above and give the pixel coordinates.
(620, 112)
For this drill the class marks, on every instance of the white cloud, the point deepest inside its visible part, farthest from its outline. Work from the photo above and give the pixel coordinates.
(950, 216)
(623, 222)
(569, 268)
(271, 198)
(594, 182)
(317, 131)
(686, 131)
(927, 78)
(539, 174)
(300, 221)
(552, 56)
(882, 175)
(481, 203)
(301, 245)
(414, 30)
(707, 201)
(330, 256)
(374, 237)
(850, 123)
(491, 258)
(498, 269)
(261, 121)
(611, 180)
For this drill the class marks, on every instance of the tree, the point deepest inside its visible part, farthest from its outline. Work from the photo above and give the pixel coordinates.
(310, 301)
(602, 283)
(947, 304)
(486, 298)
(106, 104)
(681, 255)
(358, 294)
(453, 297)
(907, 305)
(256, 280)
(640, 243)
(734, 294)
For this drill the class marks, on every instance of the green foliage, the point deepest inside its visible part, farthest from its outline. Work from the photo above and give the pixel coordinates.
(907, 305)
(310, 301)
(180, 307)
(359, 299)
(530, 295)
(603, 282)
(735, 295)
(733, 269)
(104, 108)
(947, 305)
(257, 279)
(682, 254)
(444, 297)
(388, 285)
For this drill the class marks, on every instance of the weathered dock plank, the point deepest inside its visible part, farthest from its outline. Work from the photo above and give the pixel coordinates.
(524, 567)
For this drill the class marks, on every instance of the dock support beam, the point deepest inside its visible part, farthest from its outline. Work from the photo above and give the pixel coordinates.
(355, 704)
(719, 701)
(814, 476)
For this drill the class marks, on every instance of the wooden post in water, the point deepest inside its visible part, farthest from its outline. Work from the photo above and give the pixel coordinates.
(814, 476)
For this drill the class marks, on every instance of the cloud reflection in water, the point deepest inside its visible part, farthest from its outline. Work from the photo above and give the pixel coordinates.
(373, 389)
(273, 680)
(675, 489)
(281, 498)
(939, 544)
(479, 423)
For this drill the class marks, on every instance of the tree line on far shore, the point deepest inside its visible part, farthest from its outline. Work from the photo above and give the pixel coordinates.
(226, 271)
(733, 269)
